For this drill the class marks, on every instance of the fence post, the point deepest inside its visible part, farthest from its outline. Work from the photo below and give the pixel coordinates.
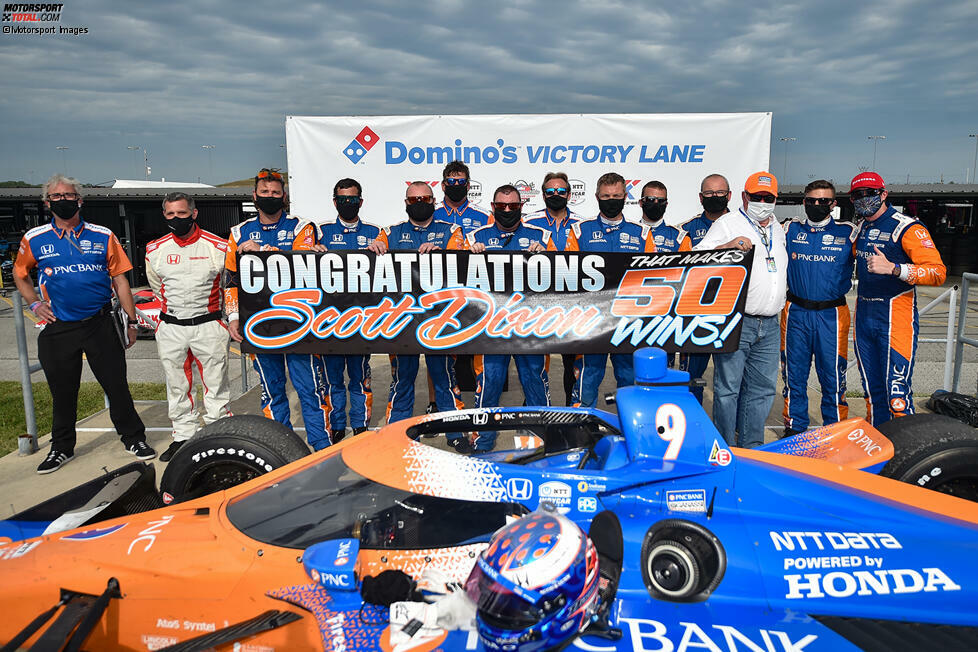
(949, 345)
(25, 445)
(244, 372)
(958, 343)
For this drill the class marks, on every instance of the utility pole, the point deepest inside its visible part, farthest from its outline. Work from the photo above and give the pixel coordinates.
(210, 161)
(784, 173)
(64, 158)
(876, 140)
(975, 136)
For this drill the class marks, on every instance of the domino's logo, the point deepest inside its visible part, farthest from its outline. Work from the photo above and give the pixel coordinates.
(360, 145)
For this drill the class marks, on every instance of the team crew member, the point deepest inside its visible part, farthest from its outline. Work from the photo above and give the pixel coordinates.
(714, 197)
(667, 238)
(558, 219)
(509, 233)
(348, 233)
(609, 231)
(744, 380)
(272, 230)
(424, 234)
(79, 266)
(184, 269)
(815, 320)
(456, 209)
(893, 254)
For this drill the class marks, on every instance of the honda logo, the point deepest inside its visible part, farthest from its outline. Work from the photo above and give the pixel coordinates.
(519, 489)
(480, 419)
(47, 249)
(173, 259)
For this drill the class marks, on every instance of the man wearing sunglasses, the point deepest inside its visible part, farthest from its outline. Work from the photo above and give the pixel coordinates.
(744, 381)
(714, 197)
(557, 218)
(423, 234)
(273, 230)
(655, 199)
(815, 320)
(456, 209)
(348, 233)
(894, 253)
(609, 231)
(509, 233)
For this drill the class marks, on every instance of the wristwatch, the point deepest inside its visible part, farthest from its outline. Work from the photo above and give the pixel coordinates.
(131, 322)
(896, 270)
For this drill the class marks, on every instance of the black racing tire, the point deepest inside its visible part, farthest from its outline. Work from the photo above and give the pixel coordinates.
(226, 453)
(934, 451)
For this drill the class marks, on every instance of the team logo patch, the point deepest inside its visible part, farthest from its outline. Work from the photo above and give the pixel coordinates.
(718, 456)
(173, 259)
(47, 249)
(898, 404)
(827, 239)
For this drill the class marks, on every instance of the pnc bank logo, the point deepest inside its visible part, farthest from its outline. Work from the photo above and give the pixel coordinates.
(360, 145)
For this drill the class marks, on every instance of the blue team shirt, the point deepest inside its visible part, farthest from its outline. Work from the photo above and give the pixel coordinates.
(598, 235)
(407, 236)
(820, 259)
(75, 268)
(467, 216)
(667, 238)
(338, 236)
(543, 220)
(281, 234)
(697, 228)
(519, 239)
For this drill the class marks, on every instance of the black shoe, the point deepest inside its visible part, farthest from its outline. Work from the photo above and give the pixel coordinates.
(432, 408)
(788, 432)
(357, 431)
(54, 461)
(141, 450)
(337, 435)
(461, 445)
(168, 453)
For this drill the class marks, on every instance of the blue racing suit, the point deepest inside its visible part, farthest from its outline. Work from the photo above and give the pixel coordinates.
(599, 234)
(468, 217)
(407, 236)
(696, 363)
(306, 371)
(886, 310)
(341, 236)
(815, 319)
(667, 238)
(558, 232)
(491, 370)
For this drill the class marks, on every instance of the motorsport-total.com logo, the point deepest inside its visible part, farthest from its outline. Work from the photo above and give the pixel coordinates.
(31, 16)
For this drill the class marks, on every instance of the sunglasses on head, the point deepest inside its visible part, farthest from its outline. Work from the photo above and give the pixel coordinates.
(427, 199)
(550, 192)
(819, 201)
(268, 173)
(507, 205)
(454, 181)
(862, 193)
(765, 198)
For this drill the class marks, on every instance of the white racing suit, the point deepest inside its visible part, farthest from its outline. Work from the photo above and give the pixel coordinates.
(185, 275)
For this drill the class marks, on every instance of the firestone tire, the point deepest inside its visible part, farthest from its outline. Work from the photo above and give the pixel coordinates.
(226, 453)
(934, 451)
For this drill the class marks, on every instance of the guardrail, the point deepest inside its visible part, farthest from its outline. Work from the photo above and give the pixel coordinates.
(26, 445)
(960, 338)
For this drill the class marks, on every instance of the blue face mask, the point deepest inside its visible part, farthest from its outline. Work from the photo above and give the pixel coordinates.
(867, 206)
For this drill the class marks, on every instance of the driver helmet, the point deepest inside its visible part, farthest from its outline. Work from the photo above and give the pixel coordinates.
(536, 585)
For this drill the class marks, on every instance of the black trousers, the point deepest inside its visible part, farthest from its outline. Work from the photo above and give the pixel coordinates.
(59, 348)
(568, 360)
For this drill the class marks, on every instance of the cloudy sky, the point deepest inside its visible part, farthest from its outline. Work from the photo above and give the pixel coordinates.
(169, 77)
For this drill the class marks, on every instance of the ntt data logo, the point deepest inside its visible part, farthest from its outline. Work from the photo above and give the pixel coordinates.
(360, 145)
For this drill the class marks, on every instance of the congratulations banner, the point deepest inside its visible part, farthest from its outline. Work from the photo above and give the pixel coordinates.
(461, 302)
(385, 153)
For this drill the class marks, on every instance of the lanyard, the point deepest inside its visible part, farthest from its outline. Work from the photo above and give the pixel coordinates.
(766, 235)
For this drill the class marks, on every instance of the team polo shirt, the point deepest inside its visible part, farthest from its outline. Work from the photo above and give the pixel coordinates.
(343, 236)
(75, 267)
(467, 216)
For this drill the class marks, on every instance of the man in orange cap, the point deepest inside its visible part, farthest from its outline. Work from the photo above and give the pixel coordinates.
(745, 380)
(893, 254)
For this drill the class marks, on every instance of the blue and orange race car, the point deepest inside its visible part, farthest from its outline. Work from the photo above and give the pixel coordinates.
(799, 545)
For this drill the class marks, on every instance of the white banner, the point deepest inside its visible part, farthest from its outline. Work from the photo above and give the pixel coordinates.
(385, 153)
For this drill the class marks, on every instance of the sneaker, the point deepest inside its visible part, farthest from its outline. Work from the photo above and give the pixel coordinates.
(461, 445)
(432, 408)
(167, 455)
(141, 450)
(357, 431)
(54, 461)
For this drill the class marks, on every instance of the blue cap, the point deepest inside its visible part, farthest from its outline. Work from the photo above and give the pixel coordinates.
(650, 365)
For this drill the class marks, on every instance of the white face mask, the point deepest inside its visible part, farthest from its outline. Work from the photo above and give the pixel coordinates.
(759, 211)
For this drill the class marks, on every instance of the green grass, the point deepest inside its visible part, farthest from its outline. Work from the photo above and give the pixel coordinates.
(13, 423)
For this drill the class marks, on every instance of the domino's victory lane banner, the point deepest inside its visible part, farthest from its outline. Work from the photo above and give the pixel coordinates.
(385, 153)
(356, 302)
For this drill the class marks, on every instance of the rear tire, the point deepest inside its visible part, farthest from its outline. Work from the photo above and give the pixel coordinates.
(935, 452)
(226, 453)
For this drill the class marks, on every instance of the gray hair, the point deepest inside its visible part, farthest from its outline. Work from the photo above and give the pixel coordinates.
(171, 197)
(58, 179)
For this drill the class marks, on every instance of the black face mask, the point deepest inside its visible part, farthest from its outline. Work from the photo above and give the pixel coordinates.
(421, 212)
(507, 219)
(555, 202)
(654, 212)
(457, 193)
(611, 208)
(348, 212)
(64, 208)
(270, 205)
(817, 213)
(715, 205)
(180, 226)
